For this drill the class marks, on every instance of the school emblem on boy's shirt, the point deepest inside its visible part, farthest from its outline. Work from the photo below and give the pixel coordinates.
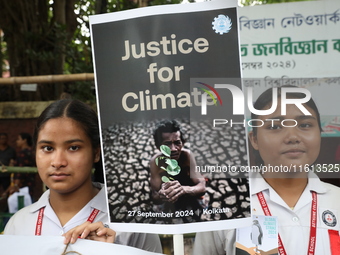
(329, 218)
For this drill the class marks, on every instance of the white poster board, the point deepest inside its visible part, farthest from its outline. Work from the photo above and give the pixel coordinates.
(54, 245)
(145, 60)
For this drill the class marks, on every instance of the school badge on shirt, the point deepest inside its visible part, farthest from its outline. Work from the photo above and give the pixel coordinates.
(329, 218)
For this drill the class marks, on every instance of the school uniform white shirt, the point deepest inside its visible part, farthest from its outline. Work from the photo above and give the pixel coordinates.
(12, 200)
(24, 222)
(294, 224)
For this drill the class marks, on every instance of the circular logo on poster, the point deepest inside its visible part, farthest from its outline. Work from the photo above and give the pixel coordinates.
(329, 218)
(222, 24)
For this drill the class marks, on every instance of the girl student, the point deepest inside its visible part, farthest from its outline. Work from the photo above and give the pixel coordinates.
(308, 209)
(67, 144)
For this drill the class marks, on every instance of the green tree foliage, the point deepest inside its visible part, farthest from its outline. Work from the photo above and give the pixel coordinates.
(44, 37)
(36, 34)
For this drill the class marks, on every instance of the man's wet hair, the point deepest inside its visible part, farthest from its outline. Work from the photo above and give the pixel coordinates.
(166, 126)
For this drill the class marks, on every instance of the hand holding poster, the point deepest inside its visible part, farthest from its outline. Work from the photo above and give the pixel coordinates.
(152, 67)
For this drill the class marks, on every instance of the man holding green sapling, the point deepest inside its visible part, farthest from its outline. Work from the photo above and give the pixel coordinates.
(181, 191)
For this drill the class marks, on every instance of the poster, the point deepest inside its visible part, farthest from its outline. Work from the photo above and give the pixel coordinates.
(294, 44)
(297, 44)
(261, 236)
(54, 245)
(155, 64)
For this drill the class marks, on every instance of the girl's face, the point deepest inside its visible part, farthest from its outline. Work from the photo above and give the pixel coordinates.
(287, 146)
(64, 155)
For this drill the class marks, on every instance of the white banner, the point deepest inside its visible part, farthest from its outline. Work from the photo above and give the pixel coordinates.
(54, 245)
(299, 39)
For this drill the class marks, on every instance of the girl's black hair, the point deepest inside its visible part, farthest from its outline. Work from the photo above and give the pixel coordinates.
(27, 137)
(73, 109)
(84, 115)
(266, 98)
